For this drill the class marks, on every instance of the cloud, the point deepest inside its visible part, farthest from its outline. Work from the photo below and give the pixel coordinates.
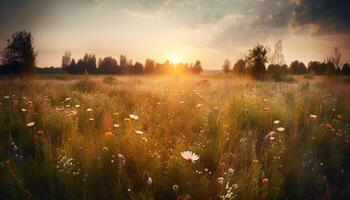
(324, 16)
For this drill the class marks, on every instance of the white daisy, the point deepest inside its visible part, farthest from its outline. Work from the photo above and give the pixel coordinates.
(30, 124)
(134, 117)
(189, 156)
(276, 121)
(312, 116)
(138, 132)
(280, 129)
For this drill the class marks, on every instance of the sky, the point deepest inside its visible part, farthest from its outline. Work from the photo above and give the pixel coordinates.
(179, 30)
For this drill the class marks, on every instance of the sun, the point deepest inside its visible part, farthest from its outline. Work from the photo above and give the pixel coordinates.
(175, 58)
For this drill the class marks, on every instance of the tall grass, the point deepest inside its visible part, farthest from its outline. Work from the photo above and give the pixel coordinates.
(87, 144)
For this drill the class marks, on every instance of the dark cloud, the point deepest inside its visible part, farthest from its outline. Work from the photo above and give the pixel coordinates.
(327, 16)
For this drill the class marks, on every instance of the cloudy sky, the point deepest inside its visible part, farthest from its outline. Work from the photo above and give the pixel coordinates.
(179, 30)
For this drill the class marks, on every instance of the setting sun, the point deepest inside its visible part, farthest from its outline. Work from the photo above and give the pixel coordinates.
(175, 58)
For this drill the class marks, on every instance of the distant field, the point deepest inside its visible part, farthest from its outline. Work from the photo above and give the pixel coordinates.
(211, 136)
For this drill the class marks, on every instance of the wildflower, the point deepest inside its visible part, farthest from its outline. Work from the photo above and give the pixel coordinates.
(276, 121)
(312, 116)
(30, 124)
(266, 108)
(231, 171)
(77, 106)
(108, 134)
(220, 180)
(89, 110)
(328, 125)
(126, 119)
(129, 189)
(121, 160)
(91, 119)
(68, 99)
(189, 156)
(199, 105)
(105, 148)
(116, 113)
(134, 117)
(215, 108)
(265, 180)
(280, 129)
(7, 162)
(149, 181)
(138, 132)
(255, 161)
(6, 97)
(271, 135)
(175, 187)
(265, 100)
(116, 125)
(181, 102)
(144, 139)
(24, 110)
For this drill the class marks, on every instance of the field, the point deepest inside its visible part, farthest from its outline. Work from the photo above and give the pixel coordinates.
(174, 137)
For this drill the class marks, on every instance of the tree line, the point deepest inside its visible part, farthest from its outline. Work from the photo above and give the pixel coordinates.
(255, 64)
(19, 57)
(110, 65)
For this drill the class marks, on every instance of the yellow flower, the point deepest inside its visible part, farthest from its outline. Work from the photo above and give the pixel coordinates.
(255, 161)
(108, 134)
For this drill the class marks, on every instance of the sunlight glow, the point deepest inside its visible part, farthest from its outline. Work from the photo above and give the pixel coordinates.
(175, 58)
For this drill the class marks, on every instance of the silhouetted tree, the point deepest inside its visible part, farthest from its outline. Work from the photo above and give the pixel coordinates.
(197, 67)
(239, 67)
(124, 65)
(137, 68)
(108, 65)
(66, 59)
(346, 69)
(19, 55)
(276, 56)
(90, 63)
(336, 58)
(149, 66)
(226, 66)
(297, 68)
(256, 61)
(72, 66)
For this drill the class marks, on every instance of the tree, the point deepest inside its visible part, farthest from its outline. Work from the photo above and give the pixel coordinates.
(89, 61)
(239, 67)
(197, 68)
(346, 69)
(256, 60)
(123, 61)
(137, 68)
(72, 67)
(297, 68)
(226, 66)
(66, 60)
(149, 66)
(336, 58)
(108, 65)
(19, 55)
(277, 57)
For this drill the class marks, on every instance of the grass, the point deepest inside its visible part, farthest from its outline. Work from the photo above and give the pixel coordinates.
(85, 145)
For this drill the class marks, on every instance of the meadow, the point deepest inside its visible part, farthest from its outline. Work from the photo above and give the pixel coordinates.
(210, 136)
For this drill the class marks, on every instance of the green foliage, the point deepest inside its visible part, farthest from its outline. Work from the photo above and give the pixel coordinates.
(256, 61)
